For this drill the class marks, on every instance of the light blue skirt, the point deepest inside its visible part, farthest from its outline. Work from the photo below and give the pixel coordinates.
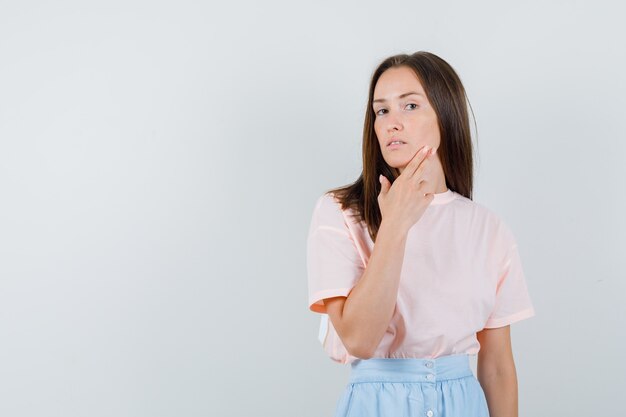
(407, 387)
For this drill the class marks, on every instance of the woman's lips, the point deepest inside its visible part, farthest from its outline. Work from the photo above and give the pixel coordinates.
(395, 145)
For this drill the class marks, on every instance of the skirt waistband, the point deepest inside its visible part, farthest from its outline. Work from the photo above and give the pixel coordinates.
(410, 369)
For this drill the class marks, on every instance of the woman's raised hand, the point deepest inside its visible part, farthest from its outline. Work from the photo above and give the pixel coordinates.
(404, 202)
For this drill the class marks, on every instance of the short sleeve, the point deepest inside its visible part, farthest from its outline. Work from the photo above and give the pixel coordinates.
(512, 302)
(333, 261)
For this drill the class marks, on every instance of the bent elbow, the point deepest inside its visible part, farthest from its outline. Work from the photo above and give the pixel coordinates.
(360, 353)
(367, 355)
(359, 350)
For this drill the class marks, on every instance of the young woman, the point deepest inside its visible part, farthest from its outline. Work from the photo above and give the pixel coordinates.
(414, 275)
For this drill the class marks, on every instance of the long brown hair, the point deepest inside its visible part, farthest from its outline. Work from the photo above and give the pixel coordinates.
(447, 96)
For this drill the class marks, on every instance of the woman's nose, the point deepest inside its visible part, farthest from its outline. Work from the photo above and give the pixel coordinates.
(393, 122)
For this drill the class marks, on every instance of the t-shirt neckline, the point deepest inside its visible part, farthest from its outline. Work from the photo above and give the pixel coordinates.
(443, 198)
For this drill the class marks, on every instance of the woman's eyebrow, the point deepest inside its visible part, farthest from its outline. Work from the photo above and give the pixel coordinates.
(381, 100)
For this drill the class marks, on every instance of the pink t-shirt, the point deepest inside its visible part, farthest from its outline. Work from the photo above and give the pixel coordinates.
(461, 273)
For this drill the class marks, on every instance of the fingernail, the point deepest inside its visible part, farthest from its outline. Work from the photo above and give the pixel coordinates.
(425, 150)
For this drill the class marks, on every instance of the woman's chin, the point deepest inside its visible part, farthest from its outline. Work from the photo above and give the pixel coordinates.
(397, 163)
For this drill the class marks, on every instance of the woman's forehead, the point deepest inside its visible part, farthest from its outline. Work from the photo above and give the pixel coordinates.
(396, 82)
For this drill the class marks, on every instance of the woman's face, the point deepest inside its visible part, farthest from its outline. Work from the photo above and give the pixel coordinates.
(403, 115)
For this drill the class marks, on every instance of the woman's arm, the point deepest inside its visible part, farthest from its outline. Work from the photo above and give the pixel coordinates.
(496, 371)
(362, 318)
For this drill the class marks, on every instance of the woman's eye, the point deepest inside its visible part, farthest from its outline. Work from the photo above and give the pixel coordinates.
(412, 104)
(378, 112)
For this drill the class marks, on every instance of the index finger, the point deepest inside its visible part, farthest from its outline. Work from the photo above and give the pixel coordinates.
(415, 162)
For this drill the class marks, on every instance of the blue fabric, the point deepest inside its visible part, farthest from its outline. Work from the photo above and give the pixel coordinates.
(409, 387)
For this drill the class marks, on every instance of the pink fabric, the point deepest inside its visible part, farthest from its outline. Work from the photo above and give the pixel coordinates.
(461, 273)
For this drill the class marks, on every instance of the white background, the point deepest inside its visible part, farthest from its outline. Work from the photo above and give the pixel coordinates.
(159, 162)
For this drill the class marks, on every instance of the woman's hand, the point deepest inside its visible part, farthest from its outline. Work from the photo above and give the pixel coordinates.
(404, 202)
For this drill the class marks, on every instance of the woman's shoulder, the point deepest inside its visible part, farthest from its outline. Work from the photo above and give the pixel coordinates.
(480, 212)
(489, 219)
(330, 200)
(327, 209)
(327, 201)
